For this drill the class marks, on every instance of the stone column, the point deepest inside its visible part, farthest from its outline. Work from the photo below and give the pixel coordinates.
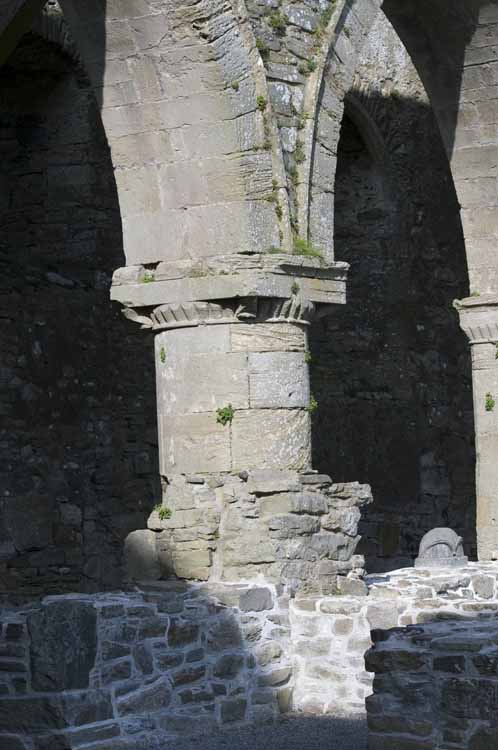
(479, 320)
(240, 499)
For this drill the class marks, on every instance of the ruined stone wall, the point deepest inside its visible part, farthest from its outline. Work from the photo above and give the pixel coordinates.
(436, 686)
(391, 370)
(330, 635)
(77, 404)
(135, 671)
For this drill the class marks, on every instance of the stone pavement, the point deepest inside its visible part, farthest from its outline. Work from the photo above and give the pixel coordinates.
(297, 732)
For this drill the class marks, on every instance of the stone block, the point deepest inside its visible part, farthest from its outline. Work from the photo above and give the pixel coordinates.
(142, 561)
(233, 710)
(147, 699)
(224, 634)
(267, 337)
(274, 438)
(484, 586)
(256, 600)
(278, 379)
(228, 666)
(382, 617)
(199, 383)
(192, 564)
(291, 526)
(63, 645)
(182, 633)
(275, 678)
(268, 652)
(194, 443)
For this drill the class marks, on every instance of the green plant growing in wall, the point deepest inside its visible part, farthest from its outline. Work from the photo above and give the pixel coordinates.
(162, 355)
(302, 247)
(279, 211)
(235, 85)
(299, 154)
(225, 415)
(278, 22)
(496, 355)
(325, 18)
(147, 278)
(490, 402)
(313, 405)
(261, 102)
(295, 288)
(163, 512)
(262, 47)
(308, 358)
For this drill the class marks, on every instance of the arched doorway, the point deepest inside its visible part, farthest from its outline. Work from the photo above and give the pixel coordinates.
(77, 400)
(392, 370)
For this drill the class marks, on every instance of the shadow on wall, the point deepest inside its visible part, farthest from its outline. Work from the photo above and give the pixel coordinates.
(436, 35)
(148, 668)
(78, 417)
(392, 369)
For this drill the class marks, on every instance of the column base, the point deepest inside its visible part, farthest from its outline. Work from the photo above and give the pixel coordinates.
(278, 526)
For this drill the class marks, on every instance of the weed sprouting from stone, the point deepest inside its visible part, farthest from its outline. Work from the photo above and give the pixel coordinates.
(302, 247)
(163, 512)
(313, 405)
(261, 102)
(225, 415)
(490, 402)
(162, 355)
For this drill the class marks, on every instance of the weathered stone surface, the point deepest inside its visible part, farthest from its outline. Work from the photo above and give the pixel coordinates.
(63, 645)
(441, 547)
(233, 710)
(275, 438)
(150, 698)
(29, 714)
(256, 600)
(141, 556)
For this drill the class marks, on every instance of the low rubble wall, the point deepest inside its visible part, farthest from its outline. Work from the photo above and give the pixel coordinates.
(435, 687)
(135, 670)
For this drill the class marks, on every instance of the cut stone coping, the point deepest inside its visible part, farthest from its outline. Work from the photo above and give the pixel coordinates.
(229, 277)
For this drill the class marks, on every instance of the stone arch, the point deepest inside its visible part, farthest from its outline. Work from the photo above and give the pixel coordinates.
(78, 435)
(398, 327)
(179, 88)
(342, 42)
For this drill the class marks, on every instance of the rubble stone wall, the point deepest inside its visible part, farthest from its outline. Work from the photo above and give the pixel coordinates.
(77, 402)
(435, 686)
(132, 671)
(330, 635)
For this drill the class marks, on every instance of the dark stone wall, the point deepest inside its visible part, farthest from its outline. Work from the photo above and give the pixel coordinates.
(392, 371)
(77, 400)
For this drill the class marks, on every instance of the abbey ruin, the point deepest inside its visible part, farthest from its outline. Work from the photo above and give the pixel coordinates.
(249, 368)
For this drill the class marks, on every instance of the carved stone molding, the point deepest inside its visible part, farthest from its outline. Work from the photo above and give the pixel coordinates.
(296, 309)
(479, 318)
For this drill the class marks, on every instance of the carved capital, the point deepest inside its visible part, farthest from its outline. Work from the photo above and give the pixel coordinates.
(296, 309)
(479, 318)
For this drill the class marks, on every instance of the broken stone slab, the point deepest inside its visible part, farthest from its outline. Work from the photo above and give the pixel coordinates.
(268, 481)
(204, 286)
(441, 548)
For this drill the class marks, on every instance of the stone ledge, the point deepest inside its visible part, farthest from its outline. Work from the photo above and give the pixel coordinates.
(230, 277)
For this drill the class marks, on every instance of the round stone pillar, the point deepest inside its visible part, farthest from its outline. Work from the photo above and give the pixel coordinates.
(240, 500)
(232, 396)
(479, 320)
